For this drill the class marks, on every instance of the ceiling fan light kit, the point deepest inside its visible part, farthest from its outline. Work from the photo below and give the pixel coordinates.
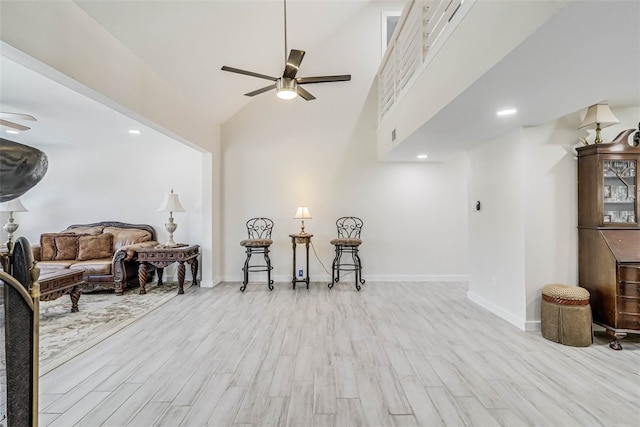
(288, 86)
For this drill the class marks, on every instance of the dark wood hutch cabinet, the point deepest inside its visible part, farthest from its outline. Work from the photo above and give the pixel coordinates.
(609, 234)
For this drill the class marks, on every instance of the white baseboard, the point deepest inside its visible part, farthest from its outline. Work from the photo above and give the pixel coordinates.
(498, 311)
(532, 326)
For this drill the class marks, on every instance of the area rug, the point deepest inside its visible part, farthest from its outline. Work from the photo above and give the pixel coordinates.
(64, 335)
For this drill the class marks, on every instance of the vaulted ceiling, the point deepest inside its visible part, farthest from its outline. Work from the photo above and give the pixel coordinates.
(186, 43)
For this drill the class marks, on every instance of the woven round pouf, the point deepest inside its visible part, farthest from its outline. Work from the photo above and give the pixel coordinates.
(566, 315)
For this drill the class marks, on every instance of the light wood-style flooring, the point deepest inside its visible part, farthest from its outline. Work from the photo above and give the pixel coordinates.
(393, 354)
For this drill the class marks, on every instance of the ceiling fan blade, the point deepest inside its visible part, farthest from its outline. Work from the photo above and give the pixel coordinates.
(248, 73)
(304, 94)
(323, 79)
(18, 116)
(261, 90)
(293, 63)
(13, 125)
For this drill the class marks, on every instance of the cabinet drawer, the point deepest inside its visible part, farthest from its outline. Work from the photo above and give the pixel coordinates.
(629, 305)
(629, 321)
(629, 289)
(630, 273)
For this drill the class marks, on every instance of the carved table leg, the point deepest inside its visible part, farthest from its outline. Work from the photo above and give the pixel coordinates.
(181, 273)
(160, 273)
(194, 271)
(307, 248)
(293, 273)
(74, 294)
(142, 277)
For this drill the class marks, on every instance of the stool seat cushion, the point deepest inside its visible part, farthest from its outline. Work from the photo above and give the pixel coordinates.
(346, 242)
(256, 243)
(566, 292)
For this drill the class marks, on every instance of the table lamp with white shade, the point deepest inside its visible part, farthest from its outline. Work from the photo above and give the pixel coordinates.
(171, 204)
(601, 116)
(12, 206)
(302, 213)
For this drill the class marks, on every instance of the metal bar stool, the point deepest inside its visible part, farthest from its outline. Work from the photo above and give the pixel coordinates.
(258, 242)
(347, 243)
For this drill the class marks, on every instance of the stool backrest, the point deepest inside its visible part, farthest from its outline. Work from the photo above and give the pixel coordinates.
(349, 227)
(259, 228)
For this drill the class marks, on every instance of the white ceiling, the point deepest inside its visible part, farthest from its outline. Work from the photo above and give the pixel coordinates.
(186, 43)
(582, 57)
(63, 115)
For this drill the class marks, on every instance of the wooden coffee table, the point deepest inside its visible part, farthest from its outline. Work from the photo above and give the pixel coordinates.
(162, 256)
(54, 285)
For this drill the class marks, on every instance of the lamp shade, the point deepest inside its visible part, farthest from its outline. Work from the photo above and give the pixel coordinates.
(599, 114)
(302, 213)
(14, 205)
(171, 203)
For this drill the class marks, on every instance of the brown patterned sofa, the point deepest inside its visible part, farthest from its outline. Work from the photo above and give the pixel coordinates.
(105, 251)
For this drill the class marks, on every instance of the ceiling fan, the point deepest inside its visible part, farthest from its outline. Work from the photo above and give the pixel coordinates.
(288, 86)
(15, 116)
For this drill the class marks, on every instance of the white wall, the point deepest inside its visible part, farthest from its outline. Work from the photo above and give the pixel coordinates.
(551, 210)
(525, 235)
(496, 232)
(121, 182)
(279, 155)
(629, 119)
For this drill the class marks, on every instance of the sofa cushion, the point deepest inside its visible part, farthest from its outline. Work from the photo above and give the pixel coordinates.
(66, 247)
(53, 266)
(93, 266)
(85, 230)
(127, 236)
(95, 246)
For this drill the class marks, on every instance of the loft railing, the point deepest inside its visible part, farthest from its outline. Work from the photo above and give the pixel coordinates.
(424, 25)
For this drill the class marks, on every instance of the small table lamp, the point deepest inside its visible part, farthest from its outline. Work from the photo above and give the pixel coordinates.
(302, 213)
(12, 206)
(171, 204)
(601, 116)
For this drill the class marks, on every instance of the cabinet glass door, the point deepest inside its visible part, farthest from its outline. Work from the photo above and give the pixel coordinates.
(619, 191)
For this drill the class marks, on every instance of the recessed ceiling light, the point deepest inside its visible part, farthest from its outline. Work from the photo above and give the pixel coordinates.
(11, 131)
(507, 112)
(422, 156)
(134, 132)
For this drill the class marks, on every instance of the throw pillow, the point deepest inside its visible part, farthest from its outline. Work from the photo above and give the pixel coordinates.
(47, 246)
(95, 247)
(66, 247)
